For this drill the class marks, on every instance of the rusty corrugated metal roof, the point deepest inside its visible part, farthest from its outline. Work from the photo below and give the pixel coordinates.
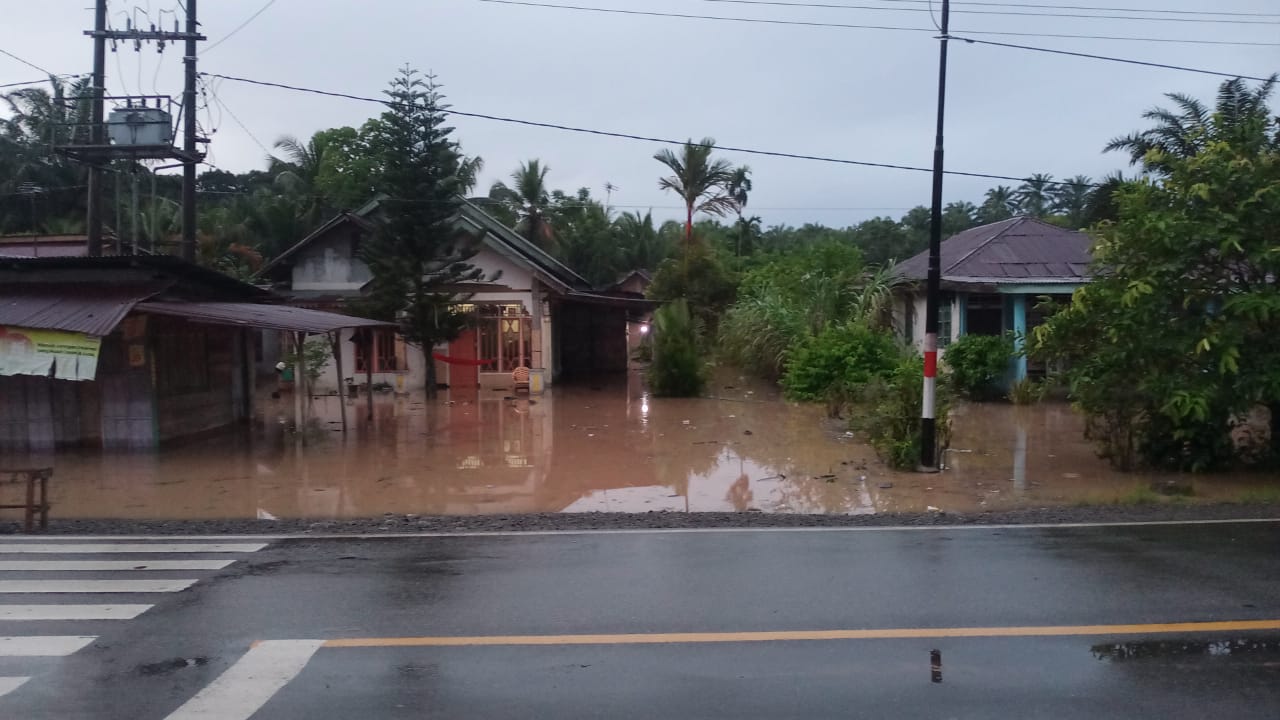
(270, 317)
(91, 309)
(1020, 249)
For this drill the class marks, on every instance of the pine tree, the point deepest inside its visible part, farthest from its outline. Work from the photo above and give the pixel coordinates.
(417, 253)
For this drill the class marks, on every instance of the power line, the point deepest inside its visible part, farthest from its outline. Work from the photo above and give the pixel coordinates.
(630, 136)
(1107, 58)
(705, 17)
(804, 23)
(1095, 7)
(31, 82)
(241, 26)
(1018, 13)
(839, 6)
(223, 106)
(28, 63)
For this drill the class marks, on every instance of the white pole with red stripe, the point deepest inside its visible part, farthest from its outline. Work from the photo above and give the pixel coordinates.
(928, 404)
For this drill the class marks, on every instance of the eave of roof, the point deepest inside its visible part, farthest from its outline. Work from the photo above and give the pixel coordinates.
(267, 317)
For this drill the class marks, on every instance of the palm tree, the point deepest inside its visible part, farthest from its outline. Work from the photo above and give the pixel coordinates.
(641, 245)
(298, 172)
(469, 169)
(1240, 115)
(957, 217)
(1101, 204)
(529, 200)
(1071, 198)
(998, 204)
(703, 183)
(1035, 195)
(37, 121)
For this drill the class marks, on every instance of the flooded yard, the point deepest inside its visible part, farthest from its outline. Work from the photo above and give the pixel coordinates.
(609, 447)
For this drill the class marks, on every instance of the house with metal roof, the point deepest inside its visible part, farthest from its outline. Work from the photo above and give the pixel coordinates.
(127, 352)
(534, 314)
(993, 277)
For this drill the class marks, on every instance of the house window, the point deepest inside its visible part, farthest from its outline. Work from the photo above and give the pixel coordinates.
(182, 360)
(944, 322)
(388, 353)
(506, 336)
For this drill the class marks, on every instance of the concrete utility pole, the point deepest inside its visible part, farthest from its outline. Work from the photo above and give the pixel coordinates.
(928, 420)
(188, 249)
(94, 221)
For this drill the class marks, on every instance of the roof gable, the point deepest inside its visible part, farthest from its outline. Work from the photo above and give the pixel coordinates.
(501, 238)
(1020, 249)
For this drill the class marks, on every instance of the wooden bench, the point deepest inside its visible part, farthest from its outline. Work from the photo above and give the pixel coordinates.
(30, 477)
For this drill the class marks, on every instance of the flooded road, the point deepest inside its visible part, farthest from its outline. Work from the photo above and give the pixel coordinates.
(580, 449)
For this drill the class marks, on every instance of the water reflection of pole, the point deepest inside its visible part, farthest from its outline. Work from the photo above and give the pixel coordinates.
(337, 359)
(1020, 458)
(299, 384)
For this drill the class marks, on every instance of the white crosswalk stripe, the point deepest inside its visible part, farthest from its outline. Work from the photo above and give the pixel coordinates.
(71, 612)
(87, 574)
(94, 586)
(100, 565)
(42, 645)
(61, 548)
(9, 684)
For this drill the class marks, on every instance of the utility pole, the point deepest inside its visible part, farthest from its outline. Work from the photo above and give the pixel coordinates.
(94, 221)
(188, 248)
(928, 405)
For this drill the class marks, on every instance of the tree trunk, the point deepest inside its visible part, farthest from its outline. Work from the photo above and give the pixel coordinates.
(688, 226)
(431, 370)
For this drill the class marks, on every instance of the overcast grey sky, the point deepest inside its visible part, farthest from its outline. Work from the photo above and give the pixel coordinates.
(847, 93)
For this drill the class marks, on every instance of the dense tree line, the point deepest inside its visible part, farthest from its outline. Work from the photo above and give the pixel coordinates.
(248, 217)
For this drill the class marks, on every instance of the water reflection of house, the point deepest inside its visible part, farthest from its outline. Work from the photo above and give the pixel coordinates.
(537, 313)
(992, 279)
(127, 352)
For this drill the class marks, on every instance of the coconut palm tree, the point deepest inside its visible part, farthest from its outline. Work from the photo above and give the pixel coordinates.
(1035, 195)
(998, 204)
(469, 169)
(641, 245)
(1071, 199)
(1240, 115)
(528, 198)
(38, 120)
(703, 183)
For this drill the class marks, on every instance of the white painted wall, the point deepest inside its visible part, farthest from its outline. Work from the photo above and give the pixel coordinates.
(329, 263)
(916, 303)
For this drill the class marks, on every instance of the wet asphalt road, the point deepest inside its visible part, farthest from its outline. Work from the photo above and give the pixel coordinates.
(708, 582)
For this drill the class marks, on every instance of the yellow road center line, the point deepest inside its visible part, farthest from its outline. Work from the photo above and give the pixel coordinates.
(792, 635)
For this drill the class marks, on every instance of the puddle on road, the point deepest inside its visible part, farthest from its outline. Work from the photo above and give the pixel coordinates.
(581, 449)
(1267, 649)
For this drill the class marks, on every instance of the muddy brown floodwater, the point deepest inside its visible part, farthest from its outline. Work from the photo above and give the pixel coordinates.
(582, 448)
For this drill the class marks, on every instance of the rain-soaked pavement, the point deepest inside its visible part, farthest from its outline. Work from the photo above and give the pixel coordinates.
(1173, 621)
(581, 448)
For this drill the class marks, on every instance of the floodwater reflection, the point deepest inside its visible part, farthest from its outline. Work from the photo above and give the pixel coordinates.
(581, 448)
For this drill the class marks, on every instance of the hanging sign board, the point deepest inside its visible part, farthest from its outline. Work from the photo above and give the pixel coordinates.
(48, 353)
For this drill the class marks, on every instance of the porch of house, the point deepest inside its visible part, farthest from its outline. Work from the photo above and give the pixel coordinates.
(1016, 310)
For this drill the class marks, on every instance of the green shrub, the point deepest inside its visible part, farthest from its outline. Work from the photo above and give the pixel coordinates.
(841, 359)
(1027, 391)
(677, 365)
(760, 331)
(979, 364)
(890, 414)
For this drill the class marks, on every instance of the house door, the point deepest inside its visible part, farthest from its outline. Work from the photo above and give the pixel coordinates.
(464, 375)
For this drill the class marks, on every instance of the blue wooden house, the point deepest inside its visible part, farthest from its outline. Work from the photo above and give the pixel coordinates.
(993, 280)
